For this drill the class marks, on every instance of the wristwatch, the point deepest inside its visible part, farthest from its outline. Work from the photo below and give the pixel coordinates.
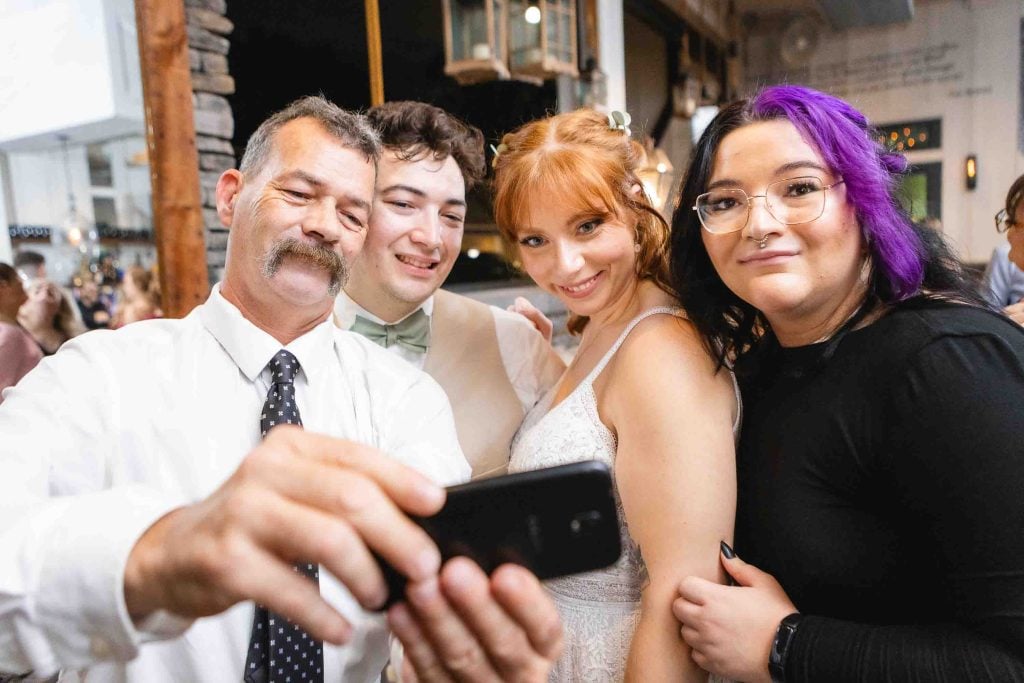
(781, 646)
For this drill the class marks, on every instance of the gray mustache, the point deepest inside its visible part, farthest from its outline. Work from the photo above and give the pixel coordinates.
(315, 254)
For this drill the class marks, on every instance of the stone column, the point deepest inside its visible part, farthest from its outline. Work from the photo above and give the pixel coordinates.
(208, 28)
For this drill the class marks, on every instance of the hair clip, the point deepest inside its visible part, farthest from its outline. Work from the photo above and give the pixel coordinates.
(619, 120)
(498, 151)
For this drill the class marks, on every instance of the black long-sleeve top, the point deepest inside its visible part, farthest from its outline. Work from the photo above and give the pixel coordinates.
(883, 486)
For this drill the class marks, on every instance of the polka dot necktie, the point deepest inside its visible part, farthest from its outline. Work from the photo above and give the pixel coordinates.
(280, 651)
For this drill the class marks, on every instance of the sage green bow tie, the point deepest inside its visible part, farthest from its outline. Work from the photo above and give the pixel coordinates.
(413, 333)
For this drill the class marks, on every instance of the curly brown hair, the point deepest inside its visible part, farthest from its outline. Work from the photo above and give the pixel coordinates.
(412, 129)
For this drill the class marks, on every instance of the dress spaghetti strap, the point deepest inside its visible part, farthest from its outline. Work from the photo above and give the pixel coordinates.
(671, 310)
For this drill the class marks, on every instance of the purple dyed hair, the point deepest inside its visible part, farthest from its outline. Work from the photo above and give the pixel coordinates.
(904, 261)
(842, 136)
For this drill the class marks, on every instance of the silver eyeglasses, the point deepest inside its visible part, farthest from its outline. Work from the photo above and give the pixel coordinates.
(1003, 221)
(790, 201)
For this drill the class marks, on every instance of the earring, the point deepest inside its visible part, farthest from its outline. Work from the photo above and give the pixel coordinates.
(637, 247)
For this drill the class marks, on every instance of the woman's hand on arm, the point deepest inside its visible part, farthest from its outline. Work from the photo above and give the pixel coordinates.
(675, 469)
(731, 628)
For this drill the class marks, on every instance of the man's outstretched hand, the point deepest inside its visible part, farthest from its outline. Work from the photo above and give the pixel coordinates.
(298, 497)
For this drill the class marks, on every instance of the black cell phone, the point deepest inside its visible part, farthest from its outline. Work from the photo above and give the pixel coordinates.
(553, 521)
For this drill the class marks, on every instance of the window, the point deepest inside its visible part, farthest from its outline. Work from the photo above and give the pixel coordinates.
(911, 136)
(100, 174)
(104, 212)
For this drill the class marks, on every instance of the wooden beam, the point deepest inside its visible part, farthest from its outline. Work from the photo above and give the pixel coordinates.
(173, 159)
(374, 52)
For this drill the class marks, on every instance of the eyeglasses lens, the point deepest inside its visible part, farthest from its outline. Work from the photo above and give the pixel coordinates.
(790, 201)
(1003, 222)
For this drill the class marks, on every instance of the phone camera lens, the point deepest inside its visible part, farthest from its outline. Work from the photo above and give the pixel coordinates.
(585, 522)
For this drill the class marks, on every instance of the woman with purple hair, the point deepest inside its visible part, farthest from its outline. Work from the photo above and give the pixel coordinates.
(880, 477)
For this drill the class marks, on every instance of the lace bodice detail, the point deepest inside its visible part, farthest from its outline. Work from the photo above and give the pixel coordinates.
(599, 609)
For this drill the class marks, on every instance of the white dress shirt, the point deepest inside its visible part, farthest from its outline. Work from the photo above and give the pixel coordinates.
(525, 354)
(118, 428)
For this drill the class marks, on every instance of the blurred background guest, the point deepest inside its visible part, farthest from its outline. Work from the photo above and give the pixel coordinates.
(31, 265)
(139, 298)
(19, 352)
(1004, 279)
(109, 273)
(95, 314)
(48, 316)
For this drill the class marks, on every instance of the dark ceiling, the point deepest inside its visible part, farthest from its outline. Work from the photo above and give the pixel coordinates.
(284, 50)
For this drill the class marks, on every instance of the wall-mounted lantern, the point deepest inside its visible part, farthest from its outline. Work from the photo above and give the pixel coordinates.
(686, 95)
(971, 171)
(475, 40)
(656, 175)
(592, 88)
(542, 38)
(701, 74)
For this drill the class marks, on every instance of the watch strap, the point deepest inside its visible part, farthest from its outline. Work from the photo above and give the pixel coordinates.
(781, 646)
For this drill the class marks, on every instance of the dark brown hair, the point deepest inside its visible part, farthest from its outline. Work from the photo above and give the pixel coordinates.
(32, 259)
(1014, 197)
(412, 129)
(7, 273)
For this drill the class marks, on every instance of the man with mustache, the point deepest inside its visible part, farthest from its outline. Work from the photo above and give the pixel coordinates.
(493, 364)
(161, 522)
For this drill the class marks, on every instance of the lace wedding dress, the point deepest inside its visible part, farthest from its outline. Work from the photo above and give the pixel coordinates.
(600, 609)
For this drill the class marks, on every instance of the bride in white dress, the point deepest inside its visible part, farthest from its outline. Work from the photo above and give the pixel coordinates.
(642, 394)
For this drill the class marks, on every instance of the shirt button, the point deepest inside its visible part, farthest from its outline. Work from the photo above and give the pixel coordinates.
(100, 647)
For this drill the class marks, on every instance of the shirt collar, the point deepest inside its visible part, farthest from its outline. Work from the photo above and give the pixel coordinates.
(346, 310)
(251, 348)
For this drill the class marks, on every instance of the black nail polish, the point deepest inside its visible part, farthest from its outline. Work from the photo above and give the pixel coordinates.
(727, 551)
